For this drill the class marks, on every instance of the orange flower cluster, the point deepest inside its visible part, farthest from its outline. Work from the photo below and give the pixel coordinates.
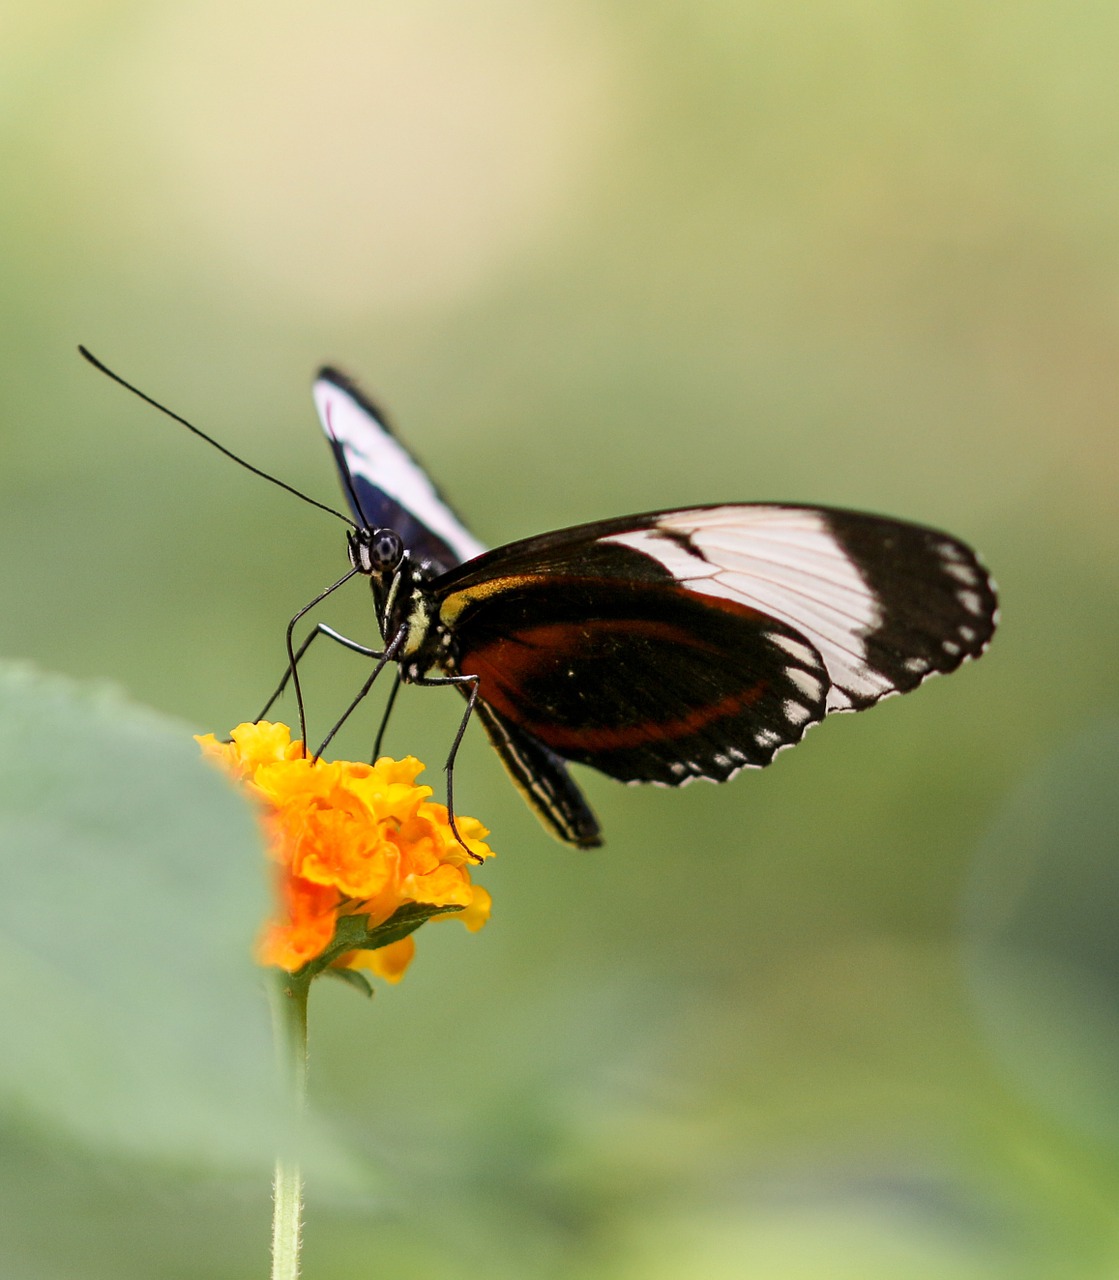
(349, 840)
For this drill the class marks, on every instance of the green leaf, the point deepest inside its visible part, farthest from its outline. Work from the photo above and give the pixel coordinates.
(352, 933)
(133, 1015)
(353, 978)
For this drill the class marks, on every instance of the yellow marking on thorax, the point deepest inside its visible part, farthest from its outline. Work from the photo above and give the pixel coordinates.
(418, 621)
(390, 600)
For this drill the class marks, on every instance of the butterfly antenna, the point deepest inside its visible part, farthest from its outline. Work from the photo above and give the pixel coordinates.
(88, 355)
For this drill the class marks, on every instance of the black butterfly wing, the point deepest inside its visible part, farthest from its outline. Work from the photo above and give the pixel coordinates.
(615, 667)
(386, 487)
(689, 643)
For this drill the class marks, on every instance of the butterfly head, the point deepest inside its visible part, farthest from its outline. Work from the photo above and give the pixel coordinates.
(377, 553)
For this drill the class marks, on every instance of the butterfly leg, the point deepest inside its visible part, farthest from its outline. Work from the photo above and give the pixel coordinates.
(383, 659)
(385, 718)
(449, 767)
(293, 659)
(320, 629)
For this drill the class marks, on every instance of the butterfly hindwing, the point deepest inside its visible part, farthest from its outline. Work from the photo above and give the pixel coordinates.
(543, 779)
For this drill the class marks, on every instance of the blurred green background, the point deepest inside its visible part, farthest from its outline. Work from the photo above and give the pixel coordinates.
(852, 1017)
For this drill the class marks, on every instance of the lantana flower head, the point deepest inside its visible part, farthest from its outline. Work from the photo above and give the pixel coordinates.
(351, 840)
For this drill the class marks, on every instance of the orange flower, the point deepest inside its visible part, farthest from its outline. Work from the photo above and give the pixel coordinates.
(362, 855)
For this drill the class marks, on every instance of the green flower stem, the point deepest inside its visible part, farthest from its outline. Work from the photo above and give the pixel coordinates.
(289, 1027)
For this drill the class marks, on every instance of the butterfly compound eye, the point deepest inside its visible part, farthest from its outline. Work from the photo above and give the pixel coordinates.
(375, 550)
(387, 548)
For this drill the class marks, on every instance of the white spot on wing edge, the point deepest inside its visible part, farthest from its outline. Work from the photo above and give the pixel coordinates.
(961, 572)
(794, 648)
(811, 686)
(770, 736)
(971, 601)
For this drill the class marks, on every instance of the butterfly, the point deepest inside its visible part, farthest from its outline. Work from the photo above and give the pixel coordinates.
(656, 648)
(660, 647)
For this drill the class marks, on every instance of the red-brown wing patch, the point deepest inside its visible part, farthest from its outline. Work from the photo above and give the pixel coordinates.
(641, 681)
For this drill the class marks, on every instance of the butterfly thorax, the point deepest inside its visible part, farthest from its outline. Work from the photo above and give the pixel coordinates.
(403, 600)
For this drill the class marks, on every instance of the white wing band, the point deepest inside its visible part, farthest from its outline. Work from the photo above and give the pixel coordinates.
(383, 461)
(784, 562)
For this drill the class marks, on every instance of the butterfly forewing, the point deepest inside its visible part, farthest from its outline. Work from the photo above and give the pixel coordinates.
(886, 603)
(695, 642)
(937, 604)
(387, 488)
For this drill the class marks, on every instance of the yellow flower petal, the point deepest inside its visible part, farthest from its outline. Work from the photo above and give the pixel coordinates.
(477, 913)
(445, 886)
(349, 839)
(386, 962)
